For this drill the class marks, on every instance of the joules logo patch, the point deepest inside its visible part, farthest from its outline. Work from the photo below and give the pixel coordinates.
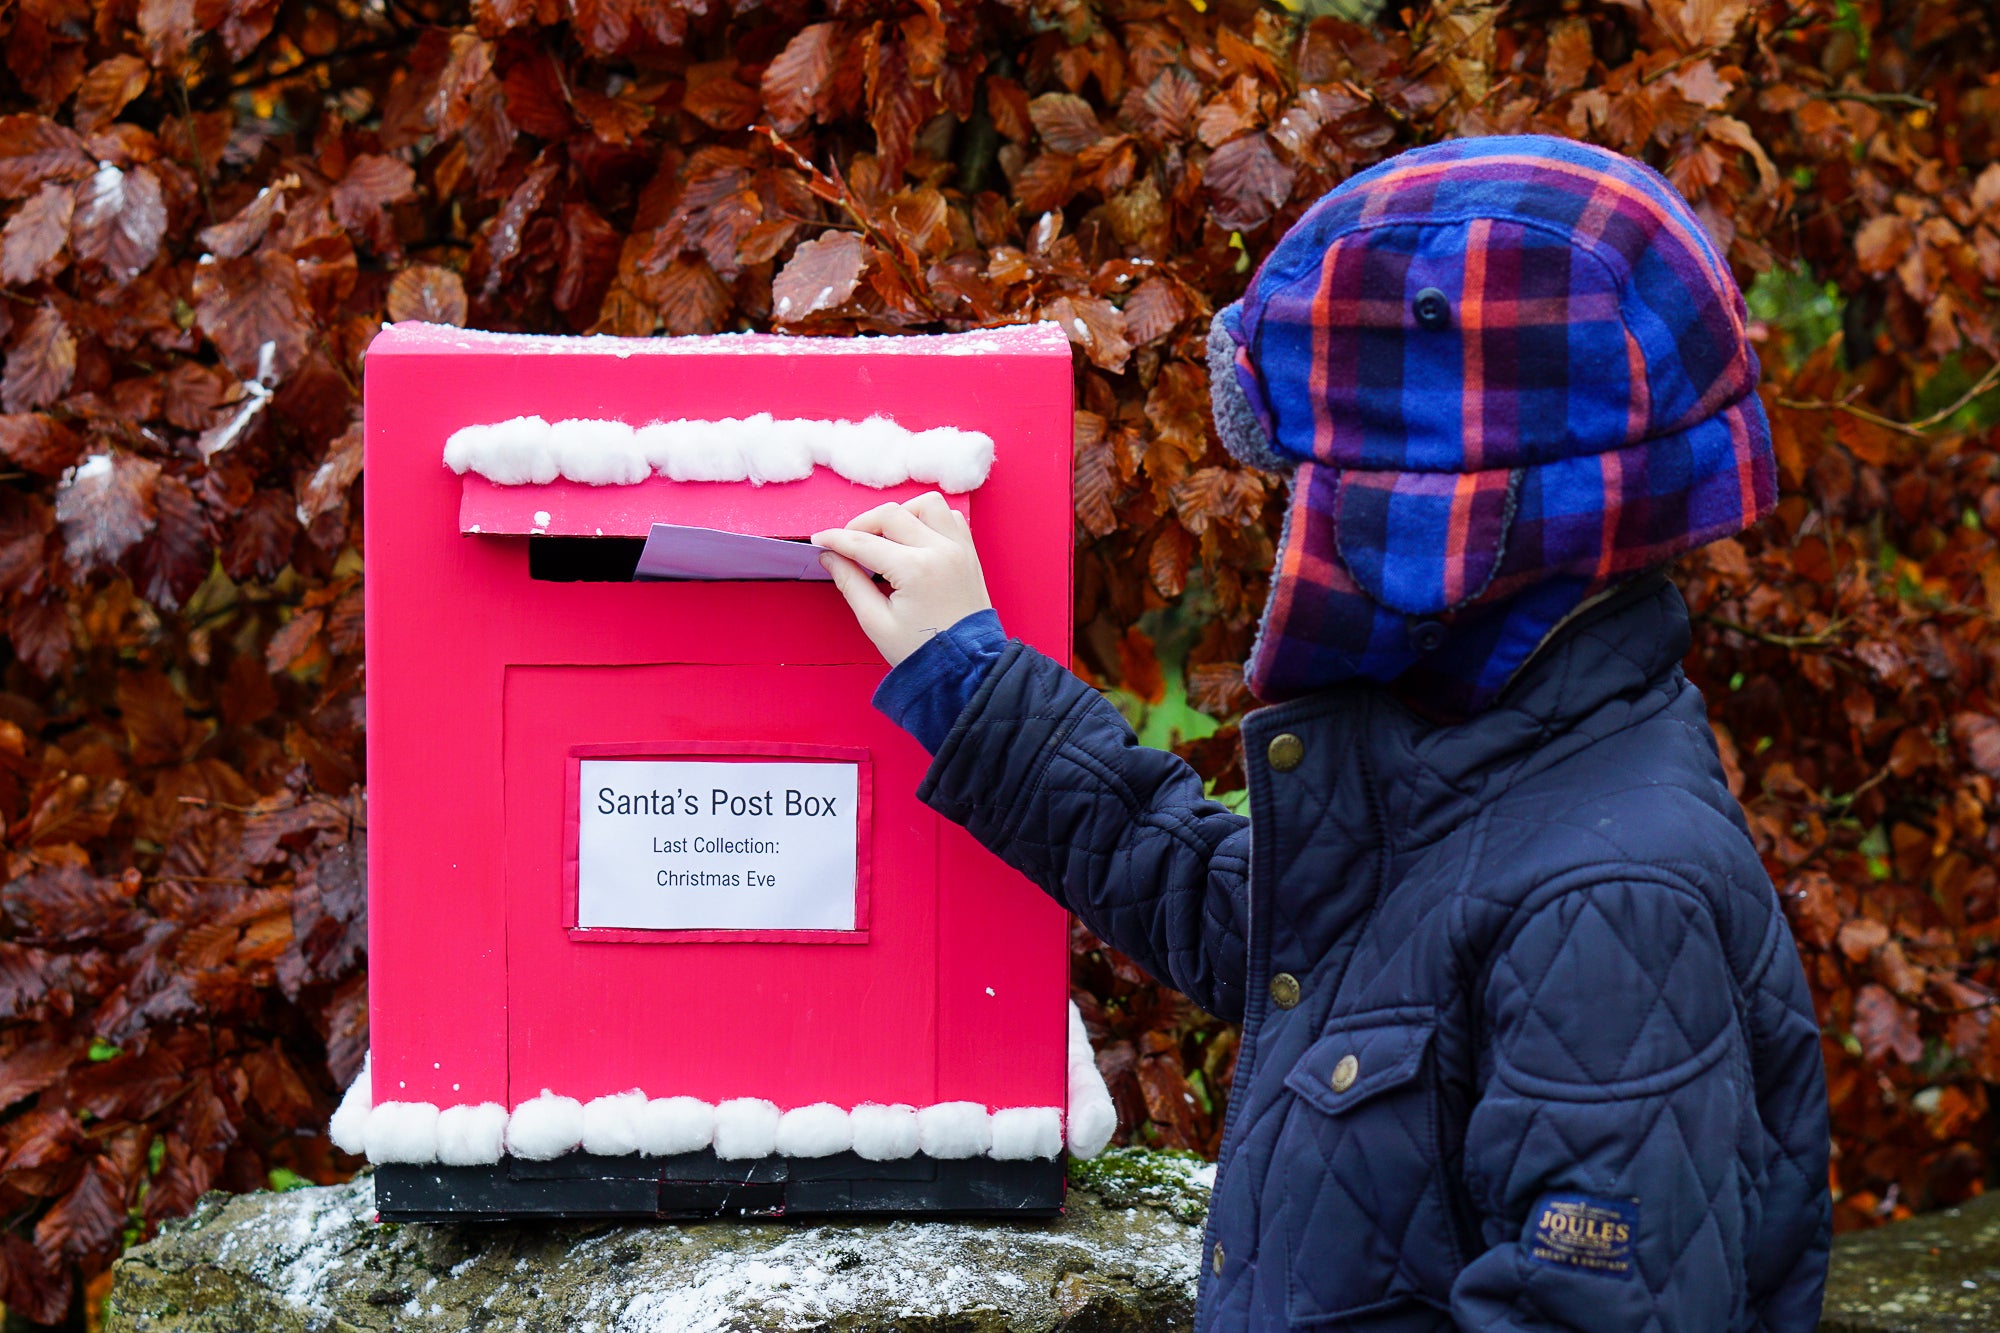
(1579, 1231)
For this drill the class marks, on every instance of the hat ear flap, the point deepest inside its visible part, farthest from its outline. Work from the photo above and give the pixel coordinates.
(1425, 543)
(1245, 431)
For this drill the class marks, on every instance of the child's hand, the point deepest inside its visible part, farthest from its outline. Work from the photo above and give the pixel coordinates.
(923, 548)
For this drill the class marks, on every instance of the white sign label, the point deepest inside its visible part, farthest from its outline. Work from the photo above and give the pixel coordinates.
(689, 845)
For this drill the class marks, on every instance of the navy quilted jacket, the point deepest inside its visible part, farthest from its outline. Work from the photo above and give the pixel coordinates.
(1526, 1043)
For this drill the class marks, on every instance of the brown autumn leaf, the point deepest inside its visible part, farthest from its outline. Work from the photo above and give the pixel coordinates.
(373, 182)
(245, 304)
(175, 559)
(120, 219)
(39, 629)
(1247, 181)
(796, 82)
(1153, 310)
(820, 277)
(33, 241)
(260, 543)
(291, 642)
(590, 248)
(246, 230)
(428, 293)
(1095, 482)
(34, 149)
(1045, 183)
(1882, 241)
(105, 506)
(1065, 121)
(1168, 559)
(691, 298)
(1218, 689)
(1096, 326)
(1978, 734)
(508, 229)
(1166, 109)
(1886, 1026)
(603, 25)
(107, 89)
(1706, 23)
(86, 1220)
(1570, 55)
(27, 1068)
(536, 99)
(37, 443)
(1007, 103)
(40, 365)
(325, 488)
(496, 17)
(718, 98)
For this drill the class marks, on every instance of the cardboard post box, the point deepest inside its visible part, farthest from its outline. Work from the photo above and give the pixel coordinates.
(657, 925)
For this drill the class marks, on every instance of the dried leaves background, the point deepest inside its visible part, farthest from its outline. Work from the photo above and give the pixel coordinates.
(211, 205)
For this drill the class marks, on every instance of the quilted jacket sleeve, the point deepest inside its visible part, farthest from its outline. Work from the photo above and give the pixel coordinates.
(1602, 1149)
(1042, 770)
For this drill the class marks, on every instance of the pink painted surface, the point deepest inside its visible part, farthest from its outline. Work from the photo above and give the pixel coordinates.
(573, 509)
(482, 680)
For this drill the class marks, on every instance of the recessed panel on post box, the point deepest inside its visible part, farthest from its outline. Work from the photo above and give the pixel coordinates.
(657, 923)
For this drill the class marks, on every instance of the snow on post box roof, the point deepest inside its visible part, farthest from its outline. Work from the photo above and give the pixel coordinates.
(529, 971)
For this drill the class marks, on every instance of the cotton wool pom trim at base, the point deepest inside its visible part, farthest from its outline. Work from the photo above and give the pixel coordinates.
(549, 1126)
(878, 452)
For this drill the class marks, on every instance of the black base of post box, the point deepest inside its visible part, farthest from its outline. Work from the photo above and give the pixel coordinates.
(700, 1185)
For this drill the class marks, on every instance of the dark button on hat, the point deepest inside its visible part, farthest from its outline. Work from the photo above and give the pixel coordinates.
(1432, 310)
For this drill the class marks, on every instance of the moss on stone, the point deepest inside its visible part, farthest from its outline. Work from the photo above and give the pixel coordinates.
(1146, 1177)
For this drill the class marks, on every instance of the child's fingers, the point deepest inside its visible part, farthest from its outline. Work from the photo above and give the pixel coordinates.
(897, 524)
(938, 515)
(935, 513)
(889, 559)
(868, 602)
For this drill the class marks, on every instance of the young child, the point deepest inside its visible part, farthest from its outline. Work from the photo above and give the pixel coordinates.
(1526, 1042)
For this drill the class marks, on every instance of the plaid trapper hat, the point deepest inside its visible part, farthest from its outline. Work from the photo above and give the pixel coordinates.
(1505, 374)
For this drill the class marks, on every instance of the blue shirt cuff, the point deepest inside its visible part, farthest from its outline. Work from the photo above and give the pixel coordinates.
(925, 692)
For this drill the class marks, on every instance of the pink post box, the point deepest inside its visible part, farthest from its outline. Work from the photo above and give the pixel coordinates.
(657, 924)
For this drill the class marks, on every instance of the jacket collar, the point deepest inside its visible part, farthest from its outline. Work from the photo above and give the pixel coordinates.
(1613, 664)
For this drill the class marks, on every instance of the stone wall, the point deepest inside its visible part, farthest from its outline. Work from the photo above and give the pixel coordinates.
(1126, 1257)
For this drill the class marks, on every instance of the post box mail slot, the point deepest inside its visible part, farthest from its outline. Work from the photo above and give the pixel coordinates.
(657, 924)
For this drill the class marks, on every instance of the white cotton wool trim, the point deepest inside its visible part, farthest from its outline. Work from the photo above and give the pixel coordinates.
(746, 1127)
(548, 1126)
(673, 1125)
(545, 1127)
(508, 453)
(678, 451)
(884, 1133)
(472, 1135)
(348, 1127)
(1092, 1117)
(819, 1130)
(402, 1132)
(1024, 1132)
(954, 1129)
(611, 1124)
(877, 452)
(598, 453)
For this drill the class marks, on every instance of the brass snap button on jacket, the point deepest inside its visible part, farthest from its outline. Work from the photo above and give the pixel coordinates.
(1284, 990)
(1285, 751)
(1345, 1073)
